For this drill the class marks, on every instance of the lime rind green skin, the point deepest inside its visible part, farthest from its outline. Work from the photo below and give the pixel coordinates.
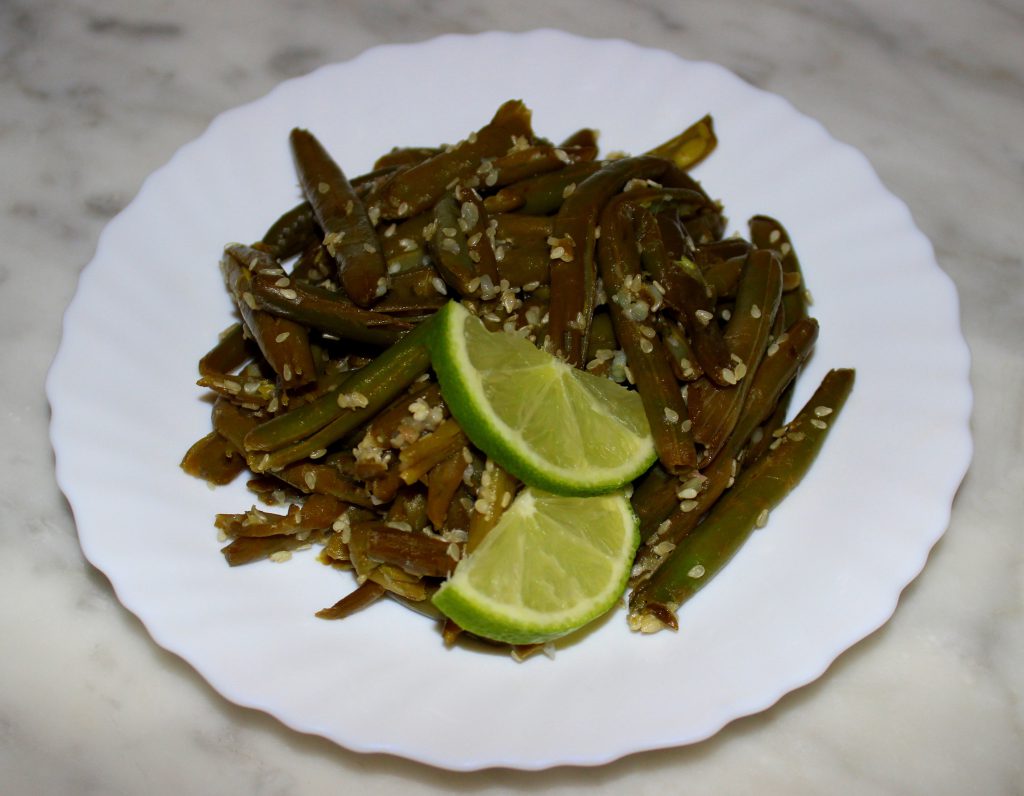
(463, 390)
(506, 563)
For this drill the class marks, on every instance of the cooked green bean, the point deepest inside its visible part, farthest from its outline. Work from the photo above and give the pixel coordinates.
(418, 187)
(741, 510)
(349, 234)
(573, 270)
(647, 359)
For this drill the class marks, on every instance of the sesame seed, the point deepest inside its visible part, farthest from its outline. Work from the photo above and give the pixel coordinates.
(288, 293)
(819, 423)
(704, 317)
(439, 285)
(282, 282)
(671, 415)
(686, 425)
(728, 376)
(309, 477)
(280, 556)
(369, 248)
(449, 245)
(282, 337)
(645, 345)
(785, 249)
(688, 505)
(755, 311)
(687, 494)
(696, 571)
(822, 411)
(352, 400)
(797, 436)
(403, 209)
(568, 190)
(323, 187)
(774, 236)
(762, 519)
(286, 372)
(773, 349)
(247, 297)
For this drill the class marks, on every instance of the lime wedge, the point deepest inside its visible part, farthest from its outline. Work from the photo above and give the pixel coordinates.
(550, 425)
(551, 565)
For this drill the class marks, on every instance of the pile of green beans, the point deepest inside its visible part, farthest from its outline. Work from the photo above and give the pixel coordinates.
(324, 395)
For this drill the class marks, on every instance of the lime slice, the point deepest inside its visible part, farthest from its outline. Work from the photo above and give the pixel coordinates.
(551, 565)
(550, 425)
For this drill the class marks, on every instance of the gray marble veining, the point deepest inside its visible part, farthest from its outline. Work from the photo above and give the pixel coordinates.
(96, 94)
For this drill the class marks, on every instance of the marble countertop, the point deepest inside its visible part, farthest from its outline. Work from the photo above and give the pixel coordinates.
(97, 94)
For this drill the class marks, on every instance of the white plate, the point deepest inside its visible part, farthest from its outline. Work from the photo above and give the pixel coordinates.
(826, 572)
